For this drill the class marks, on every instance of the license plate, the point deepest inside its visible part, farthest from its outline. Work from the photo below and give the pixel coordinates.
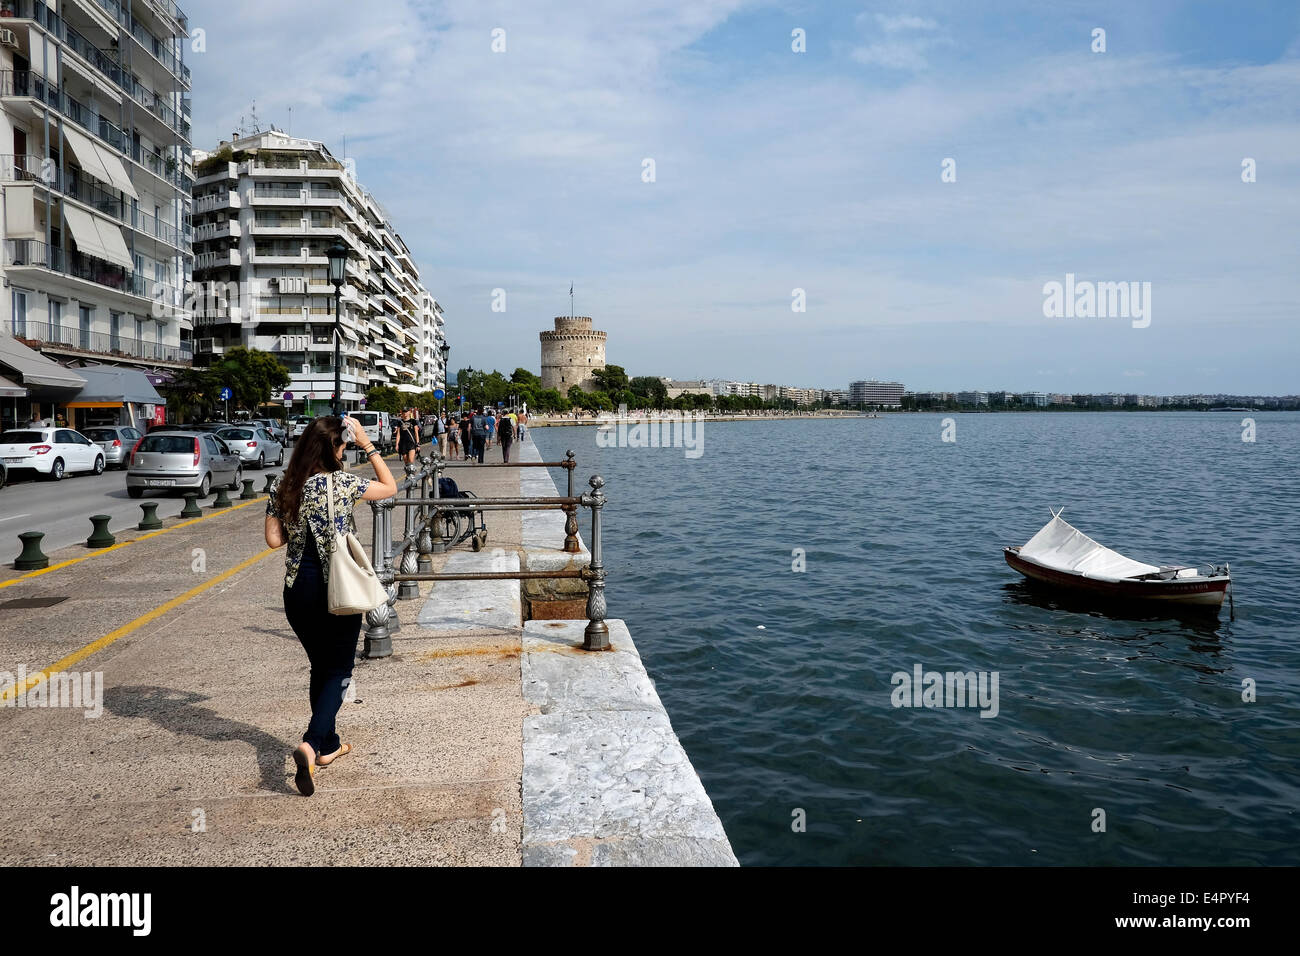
(13, 461)
(162, 481)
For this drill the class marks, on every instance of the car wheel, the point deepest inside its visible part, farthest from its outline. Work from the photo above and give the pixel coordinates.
(261, 460)
(56, 470)
(205, 486)
(280, 461)
(135, 492)
(99, 464)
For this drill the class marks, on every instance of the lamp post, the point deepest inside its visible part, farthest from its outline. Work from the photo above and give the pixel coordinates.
(446, 379)
(338, 258)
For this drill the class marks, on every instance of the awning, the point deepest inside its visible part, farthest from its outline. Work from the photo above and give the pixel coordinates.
(10, 389)
(159, 378)
(110, 386)
(34, 369)
(98, 237)
(98, 160)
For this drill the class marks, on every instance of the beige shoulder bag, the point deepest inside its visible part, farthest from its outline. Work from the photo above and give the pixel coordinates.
(354, 587)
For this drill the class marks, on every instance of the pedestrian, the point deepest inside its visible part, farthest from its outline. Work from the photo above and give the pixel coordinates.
(479, 432)
(439, 428)
(506, 432)
(464, 434)
(523, 422)
(453, 438)
(408, 442)
(491, 425)
(297, 514)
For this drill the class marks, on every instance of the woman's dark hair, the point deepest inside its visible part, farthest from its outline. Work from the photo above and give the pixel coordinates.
(314, 452)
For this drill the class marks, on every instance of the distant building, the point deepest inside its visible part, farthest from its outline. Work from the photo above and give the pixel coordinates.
(571, 353)
(972, 398)
(1038, 399)
(678, 389)
(886, 394)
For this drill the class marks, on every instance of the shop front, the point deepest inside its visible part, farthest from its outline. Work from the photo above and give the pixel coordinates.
(32, 388)
(114, 396)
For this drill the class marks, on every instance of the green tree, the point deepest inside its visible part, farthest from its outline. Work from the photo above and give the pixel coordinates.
(651, 392)
(251, 375)
(383, 398)
(550, 400)
(521, 376)
(611, 379)
(190, 394)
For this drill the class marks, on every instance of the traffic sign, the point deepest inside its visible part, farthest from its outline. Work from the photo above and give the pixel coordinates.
(439, 394)
(288, 396)
(363, 403)
(226, 394)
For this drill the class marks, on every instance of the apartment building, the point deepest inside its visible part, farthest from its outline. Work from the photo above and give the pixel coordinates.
(267, 207)
(887, 394)
(94, 168)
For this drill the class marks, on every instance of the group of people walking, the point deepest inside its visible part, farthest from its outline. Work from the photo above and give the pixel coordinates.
(467, 438)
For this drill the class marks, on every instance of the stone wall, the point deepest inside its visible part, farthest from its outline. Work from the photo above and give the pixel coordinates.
(571, 353)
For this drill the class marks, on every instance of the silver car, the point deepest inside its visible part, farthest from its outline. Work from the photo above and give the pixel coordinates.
(273, 428)
(116, 441)
(253, 444)
(176, 461)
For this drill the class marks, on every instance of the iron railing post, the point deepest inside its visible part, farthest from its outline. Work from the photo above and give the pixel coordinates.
(379, 642)
(409, 589)
(426, 534)
(596, 636)
(571, 545)
(391, 565)
(439, 546)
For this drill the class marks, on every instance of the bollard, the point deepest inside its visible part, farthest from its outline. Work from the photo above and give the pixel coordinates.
(409, 590)
(149, 521)
(222, 499)
(31, 558)
(270, 480)
(571, 545)
(248, 491)
(100, 538)
(191, 509)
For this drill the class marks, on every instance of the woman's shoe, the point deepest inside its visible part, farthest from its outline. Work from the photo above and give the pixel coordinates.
(303, 757)
(324, 760)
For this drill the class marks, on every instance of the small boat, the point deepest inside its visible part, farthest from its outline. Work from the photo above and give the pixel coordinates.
(1062, 556)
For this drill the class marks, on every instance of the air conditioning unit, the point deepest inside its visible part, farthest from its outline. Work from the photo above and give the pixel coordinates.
(8, 39)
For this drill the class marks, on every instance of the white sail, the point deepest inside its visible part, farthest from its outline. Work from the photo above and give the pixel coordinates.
(1062, 546)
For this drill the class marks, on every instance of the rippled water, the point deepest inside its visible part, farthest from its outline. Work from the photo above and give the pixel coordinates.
(1142, 718)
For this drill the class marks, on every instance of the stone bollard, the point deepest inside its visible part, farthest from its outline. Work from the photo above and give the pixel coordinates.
(100, 538)
(31, 558)
(191, 509)
(248, 491)
(222, 500)
(149, 521)
(270, 480)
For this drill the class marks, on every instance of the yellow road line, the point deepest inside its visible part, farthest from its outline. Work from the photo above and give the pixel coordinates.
(77, 655)
(123, 544)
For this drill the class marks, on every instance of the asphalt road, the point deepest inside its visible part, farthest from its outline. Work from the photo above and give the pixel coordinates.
(62, 509)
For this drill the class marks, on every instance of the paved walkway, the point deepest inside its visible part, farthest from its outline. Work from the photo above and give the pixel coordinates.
(205, 695)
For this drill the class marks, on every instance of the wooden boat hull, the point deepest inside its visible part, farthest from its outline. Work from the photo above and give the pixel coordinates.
(1204, 592)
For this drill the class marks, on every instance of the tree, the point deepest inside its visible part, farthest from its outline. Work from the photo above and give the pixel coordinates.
(190, 393)
(521, 376)
(651, 392)
(550, 400)
(611, 379)
(383, 398)
(251, 375)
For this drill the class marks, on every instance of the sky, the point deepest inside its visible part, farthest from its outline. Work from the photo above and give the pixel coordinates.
(525, 169)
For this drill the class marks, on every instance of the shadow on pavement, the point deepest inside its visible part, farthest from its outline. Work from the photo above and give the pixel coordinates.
(175, 711)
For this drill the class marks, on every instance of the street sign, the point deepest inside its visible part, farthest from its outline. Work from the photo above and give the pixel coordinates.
(363, 403)
(439, 394)
(226, 394)
(288, 396)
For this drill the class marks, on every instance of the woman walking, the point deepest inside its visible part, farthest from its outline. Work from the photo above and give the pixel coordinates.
(408, 442)
(297, 514)
(453, 439)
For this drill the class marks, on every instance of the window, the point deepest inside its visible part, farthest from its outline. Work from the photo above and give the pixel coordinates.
(64, 437)
(20, 312)
(56, 320)
(115, 331)
(83, 340)
(211, 442)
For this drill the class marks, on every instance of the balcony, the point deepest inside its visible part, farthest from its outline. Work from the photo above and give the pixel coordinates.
(229, 229)
(30, 253)
(66, 338)
(227, 259)
(226, 199)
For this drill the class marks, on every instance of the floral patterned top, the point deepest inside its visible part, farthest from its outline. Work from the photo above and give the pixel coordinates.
(348, 489)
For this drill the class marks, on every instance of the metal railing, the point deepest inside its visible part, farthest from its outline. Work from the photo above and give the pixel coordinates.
(32, 252)
(401, 564)
(73, 336)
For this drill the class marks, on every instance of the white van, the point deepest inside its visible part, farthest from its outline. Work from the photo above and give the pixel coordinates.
(378, 427)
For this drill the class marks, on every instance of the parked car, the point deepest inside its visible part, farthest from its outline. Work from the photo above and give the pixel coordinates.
(253, 444)
(175, 461)
(117, 442)
(209, 427)
(378, 427)
(51, 452)
(297, 425)
(274, 428)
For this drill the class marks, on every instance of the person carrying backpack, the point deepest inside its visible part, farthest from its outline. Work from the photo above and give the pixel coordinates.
(479, 432)
(506, 435)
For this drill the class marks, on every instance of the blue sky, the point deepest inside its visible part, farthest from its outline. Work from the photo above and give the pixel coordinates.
(777, 170)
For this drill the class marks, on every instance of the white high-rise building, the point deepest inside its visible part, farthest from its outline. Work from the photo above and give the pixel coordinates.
(95, 127)
(267, 206)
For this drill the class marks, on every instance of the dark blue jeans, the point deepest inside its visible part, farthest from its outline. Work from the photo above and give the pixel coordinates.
(479, 442)
(330, 641)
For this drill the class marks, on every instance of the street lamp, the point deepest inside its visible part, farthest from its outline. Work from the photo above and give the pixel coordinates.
(338, 258)
(446, 379)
